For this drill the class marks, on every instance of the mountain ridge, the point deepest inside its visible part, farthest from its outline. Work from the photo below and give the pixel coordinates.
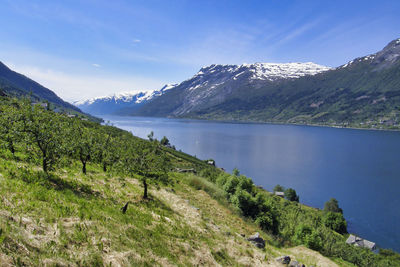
(364, 92)
(116, 103)
(14, 83)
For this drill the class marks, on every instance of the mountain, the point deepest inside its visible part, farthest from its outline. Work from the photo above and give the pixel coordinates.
(365, 92)
(215, 84)
(118, 103)
(16, 84)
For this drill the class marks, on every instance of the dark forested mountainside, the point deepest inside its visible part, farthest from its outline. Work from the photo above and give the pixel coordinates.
(16, 84)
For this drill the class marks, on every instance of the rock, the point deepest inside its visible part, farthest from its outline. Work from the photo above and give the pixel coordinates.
(296, 264)
(124, 208)
(283, 259)
(257, 240)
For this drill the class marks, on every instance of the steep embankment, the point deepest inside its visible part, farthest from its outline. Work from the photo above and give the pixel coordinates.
(74, 220)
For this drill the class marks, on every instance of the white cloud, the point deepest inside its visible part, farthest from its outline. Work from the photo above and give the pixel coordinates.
(96, 65)
(72, 87)
(137, 41)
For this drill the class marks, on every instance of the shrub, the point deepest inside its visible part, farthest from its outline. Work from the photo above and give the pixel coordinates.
(266, 221)
(245, 184)
(304, 234)
(335, 221)
(279, 188)
(246, 203)
(290, 194)
(333, 206)
(231, 184)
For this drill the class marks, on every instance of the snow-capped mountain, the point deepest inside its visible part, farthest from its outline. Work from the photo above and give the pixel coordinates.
(383, 59)
(366, 90)
(116, 103)
(214, 84)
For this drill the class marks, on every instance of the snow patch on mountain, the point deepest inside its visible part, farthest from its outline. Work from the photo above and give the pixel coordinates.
(126, 97)
(265, 71)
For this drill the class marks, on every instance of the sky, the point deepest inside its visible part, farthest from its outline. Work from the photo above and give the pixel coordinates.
(85, 48)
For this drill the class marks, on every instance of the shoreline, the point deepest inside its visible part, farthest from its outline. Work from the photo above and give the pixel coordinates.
(259, 122)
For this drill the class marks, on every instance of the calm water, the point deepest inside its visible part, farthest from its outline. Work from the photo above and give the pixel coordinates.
(361, 169)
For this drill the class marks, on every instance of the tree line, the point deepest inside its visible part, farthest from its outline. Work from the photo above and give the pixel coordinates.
(52, 139)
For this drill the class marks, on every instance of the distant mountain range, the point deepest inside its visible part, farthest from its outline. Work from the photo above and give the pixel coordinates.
(15, 84)
(207, 87)
(365, 92)
(120, 103)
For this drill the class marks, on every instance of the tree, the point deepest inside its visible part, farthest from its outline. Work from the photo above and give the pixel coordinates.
(151, 136)
(84, 141)
(149, 162)
(44, 130)
(290, 194)
(11, 125)
(279, 188)
(332, 205)
(110, 151)
(165, 142)
(235, 172)
(335, 221)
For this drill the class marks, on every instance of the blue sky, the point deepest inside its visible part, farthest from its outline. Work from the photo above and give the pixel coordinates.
(82, 49)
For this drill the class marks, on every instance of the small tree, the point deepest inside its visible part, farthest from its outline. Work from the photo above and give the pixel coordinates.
(45, 131)
(290, 194)
(151, 136)
(279, 188)
(235, 172)
(165, 142)
(83, 141)
(335, 221)
(149, 162)
(11, 125)
(332, 205)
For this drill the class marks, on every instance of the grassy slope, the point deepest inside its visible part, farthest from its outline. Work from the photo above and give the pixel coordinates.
(75, 220)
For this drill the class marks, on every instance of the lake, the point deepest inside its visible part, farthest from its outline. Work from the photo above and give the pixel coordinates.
(360, 168)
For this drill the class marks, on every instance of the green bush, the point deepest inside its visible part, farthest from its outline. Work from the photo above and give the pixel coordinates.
(332, 205)
(291, 195)
(306, 235)
(335, 221)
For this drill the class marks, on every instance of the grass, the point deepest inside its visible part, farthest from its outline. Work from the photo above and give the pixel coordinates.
(72, 219)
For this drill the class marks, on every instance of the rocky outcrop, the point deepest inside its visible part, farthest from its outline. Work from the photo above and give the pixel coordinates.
(257, 240)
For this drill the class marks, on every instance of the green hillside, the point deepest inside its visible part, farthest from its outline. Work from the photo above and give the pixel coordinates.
(65, 183)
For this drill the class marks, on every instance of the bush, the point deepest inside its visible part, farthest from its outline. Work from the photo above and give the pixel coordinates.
(279, 188)
(335, 221)
(266, 221)
(231, 184)
(290, 194)
(304, 234)
(332, 205)
(246, 203)
(245, 184)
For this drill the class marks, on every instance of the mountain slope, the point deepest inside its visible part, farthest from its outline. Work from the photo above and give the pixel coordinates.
(366, 91)
(215, 84)
(17, 84)
(118, 103)
(363, 93)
